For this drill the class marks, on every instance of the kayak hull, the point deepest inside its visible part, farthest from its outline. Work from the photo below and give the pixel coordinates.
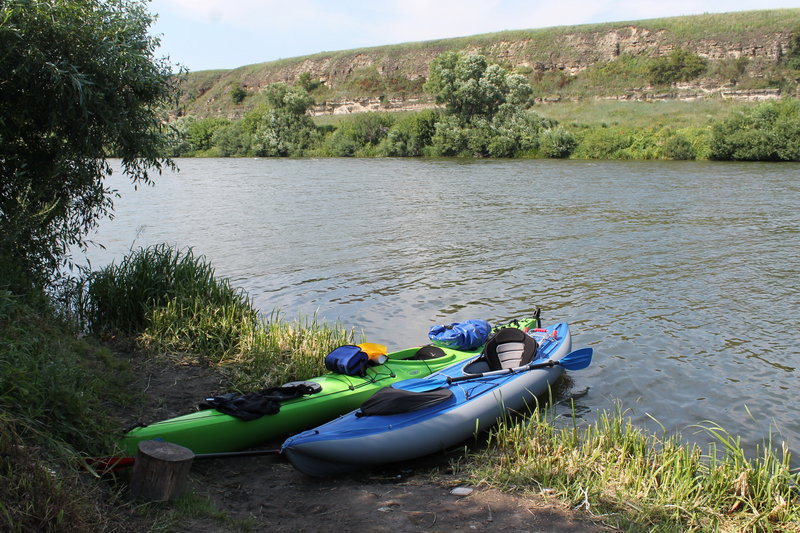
(354, 442)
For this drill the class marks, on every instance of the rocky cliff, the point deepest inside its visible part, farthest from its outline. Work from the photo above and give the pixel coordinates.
(762, 37)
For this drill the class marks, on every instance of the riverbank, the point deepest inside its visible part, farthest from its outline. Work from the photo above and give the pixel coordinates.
(258, 493)
(544, 474)
(707, 129)
(66, 395)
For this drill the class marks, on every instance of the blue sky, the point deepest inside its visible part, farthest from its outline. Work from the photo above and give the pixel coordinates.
(211, 34)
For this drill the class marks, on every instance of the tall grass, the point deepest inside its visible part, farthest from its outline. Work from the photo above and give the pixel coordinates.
(51, 380)
(174, 297)
(278, 351)
(173, 303)
(54, 389)
(37, 491)
(640, 481)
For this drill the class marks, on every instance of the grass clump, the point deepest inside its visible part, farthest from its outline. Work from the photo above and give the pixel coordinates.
(38, 493)
(54, 391)
(173, 299)
(638, 481)
(173, 303)
(53, 382)
(277, 351)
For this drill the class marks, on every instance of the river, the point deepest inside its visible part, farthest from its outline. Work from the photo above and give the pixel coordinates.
(683, 276)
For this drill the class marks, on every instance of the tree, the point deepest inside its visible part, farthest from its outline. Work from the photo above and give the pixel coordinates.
(485, 108)
(79, 82)
(285, 129)
(470, 87)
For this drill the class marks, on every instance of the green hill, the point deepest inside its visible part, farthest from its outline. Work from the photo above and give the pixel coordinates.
(745, 56)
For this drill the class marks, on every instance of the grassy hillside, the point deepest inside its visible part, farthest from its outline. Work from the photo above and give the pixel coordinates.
(745, 54)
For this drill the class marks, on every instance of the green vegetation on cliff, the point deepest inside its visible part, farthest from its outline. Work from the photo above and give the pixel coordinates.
(750, 50)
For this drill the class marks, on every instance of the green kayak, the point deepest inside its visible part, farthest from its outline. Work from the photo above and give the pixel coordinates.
(210, 431)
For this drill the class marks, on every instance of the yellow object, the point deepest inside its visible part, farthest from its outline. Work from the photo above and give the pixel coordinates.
(375, 351)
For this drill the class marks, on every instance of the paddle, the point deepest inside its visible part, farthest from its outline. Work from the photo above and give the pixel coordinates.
(575, 360)
(110, 464)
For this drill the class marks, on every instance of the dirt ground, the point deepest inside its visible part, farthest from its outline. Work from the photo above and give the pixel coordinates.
(265, 493)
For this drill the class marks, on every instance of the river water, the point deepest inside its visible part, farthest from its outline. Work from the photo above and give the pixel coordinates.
(683, 276)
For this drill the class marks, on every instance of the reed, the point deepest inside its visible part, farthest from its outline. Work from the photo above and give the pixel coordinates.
(640, 481)
(173, 303)
(279, 351)
(122, 297)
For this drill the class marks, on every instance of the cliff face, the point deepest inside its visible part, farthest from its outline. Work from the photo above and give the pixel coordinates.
(566, 50)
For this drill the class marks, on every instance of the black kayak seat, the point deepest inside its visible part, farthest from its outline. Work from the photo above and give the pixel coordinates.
(427, 352)
(391, 401)
(510, 348)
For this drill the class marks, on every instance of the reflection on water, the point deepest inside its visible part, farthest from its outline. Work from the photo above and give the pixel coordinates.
(683, 276)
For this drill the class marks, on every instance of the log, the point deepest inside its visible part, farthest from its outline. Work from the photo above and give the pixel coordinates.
(161, 471)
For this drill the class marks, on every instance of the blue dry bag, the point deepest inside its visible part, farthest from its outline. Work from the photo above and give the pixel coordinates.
(348, 359)
(468, 335)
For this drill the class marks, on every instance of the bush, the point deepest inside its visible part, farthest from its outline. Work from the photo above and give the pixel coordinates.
(679, 65)
(557, 142)
(238, 94)
(236, 139)
(359, 134)
(200, 133)
(409, 135)
(678, 147)
(450, 137)
(511, 131)
(282, 134)
(602, 143)
(766, 132)
(305, 81)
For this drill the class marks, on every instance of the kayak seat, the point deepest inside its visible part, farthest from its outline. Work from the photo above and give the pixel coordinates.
(510, 348)
(427, 352)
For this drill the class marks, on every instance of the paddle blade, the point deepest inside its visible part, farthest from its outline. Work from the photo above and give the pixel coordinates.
(577, 360)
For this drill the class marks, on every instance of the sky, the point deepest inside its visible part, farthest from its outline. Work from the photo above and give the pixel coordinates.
(223, 34)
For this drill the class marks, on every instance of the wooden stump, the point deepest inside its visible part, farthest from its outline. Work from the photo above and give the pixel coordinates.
(161, 471)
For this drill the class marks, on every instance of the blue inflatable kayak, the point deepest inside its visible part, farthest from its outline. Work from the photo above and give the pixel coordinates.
(416, 417)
